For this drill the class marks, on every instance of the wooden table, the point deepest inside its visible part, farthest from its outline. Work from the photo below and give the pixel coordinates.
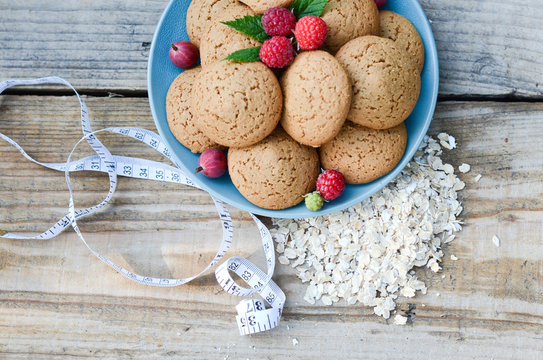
(57, 299)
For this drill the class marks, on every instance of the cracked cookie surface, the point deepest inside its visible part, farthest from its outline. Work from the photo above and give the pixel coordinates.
(399, 29)
(236, 104)
(220, 40)
(260, 6)
(202, 13)
(317, 98)
(362, 154)
(275, 173)
(386, 82)
(347, 20)
(179, 114)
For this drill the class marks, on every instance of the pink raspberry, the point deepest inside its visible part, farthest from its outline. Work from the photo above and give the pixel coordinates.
(310, 32)
(212, 163)
(330, 184)
(380, 3)
(278, 21)
(277, 52)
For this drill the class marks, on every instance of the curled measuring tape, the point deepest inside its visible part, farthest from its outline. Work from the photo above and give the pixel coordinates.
(253, 316)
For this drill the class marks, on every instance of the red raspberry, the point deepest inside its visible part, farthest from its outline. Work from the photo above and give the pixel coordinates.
(330, 184)
(277, 52)
(278, 21)
(310, 32)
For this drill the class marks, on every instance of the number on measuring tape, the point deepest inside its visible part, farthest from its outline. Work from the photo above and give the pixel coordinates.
(246, 275)
(252, 314)
(127, 170)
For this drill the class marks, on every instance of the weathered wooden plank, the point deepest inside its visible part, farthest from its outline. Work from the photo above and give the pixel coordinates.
(486, 47)
(56, 299)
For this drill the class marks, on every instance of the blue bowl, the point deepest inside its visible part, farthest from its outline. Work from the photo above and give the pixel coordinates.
(161, 73)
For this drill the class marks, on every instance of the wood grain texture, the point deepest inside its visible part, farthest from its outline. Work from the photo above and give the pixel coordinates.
(56, 299)
(486, 47)
(489, 47)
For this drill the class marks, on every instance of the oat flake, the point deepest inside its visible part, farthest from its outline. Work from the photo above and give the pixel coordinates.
(400, 320)
(366, 252)
(496, 240)
(464, 168)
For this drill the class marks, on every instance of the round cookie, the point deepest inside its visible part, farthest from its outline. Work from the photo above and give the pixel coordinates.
(362, 154)
(202, 12)
(180, 117)
(317, 98)
(397, 28)
(275, 173)
(386, 83)
(220, 40)
(260, 6)
(236, 104)
(347, 20)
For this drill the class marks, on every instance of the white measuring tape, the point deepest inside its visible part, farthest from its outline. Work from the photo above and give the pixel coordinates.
(253, 316)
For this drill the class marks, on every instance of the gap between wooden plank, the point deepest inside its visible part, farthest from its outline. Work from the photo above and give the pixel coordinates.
(504, 98)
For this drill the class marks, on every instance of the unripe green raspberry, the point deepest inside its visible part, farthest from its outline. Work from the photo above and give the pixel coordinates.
(314, 201)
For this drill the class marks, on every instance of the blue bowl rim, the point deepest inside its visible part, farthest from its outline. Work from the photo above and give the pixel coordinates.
(379, 183)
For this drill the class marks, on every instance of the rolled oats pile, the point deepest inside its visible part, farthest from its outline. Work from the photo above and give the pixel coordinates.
(366, 253)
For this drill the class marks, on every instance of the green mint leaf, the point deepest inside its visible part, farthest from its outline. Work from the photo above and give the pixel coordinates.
(250, 26)
(245, 55)
(302, 8)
